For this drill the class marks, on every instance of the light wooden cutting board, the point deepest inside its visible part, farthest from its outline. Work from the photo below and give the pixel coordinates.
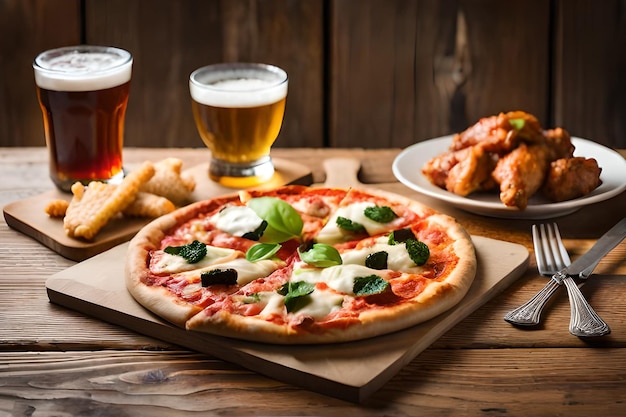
(28, 215)
(351, 371)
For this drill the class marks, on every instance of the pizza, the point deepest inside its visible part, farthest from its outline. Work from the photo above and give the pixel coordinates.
(301, 265)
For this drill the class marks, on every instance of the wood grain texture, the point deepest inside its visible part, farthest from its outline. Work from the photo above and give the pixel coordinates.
(523, 382)
(27, 171)
(28, 27)
(103, 295)
(169, 40)
(57, 362)
(362, 74)
(25, 215)
(406, 71)
(589, 71)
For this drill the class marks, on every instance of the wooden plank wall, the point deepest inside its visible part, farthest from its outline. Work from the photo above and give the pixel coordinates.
(363, 73)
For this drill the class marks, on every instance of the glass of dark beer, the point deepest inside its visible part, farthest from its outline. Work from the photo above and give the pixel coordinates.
(238, 109)
(83, 92)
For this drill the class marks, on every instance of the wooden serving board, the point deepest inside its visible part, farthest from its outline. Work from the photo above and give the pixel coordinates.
(350, 371)
(28, 216)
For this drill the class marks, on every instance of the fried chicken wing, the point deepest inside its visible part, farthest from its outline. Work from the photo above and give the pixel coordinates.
(560, 143)
(493, 133)
(527, 126)
(512, 151)
(570, 178)
(461, 172)
(501, 133)
(472, 173)
(438, 168)
(521, 173)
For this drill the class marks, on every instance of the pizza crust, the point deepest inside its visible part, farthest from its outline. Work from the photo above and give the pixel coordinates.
(158, 299)
(438, 296)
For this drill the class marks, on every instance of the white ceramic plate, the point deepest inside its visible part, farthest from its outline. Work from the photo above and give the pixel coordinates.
(407, 169)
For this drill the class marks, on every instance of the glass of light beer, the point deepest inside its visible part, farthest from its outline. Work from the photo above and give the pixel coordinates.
(83, 93)
(238, 109)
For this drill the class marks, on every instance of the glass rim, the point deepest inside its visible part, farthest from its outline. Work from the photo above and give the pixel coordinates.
(239, 66)
(38, 62)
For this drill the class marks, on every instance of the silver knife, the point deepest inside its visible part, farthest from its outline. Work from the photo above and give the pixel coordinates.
(587, 322)
(584, 265)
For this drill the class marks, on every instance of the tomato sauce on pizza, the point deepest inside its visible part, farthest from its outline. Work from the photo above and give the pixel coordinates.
(301, 265)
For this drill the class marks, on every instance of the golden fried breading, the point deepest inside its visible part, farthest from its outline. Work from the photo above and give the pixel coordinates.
(559, 142)
(438, 168)
(93, 206)
(169, 182)
(56, 208)
(84, 216)
(524, 153)
(462, 172)
(144, 205)
(570, 178)
(501, 133)
(527, 127)
(149, 205)
(493, 133)
(472, 171)
(521, 173)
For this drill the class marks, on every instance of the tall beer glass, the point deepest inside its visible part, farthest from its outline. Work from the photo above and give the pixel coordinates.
(83, 92)
(238, 109)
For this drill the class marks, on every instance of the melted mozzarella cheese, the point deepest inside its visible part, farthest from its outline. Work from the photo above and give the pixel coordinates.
(168, 263)
(331, 233)
(191, 289)
(321, 304)
(246, 271)
(340, 277)
(249, 271)
(236, 220)
(274, 304)
(398, 258)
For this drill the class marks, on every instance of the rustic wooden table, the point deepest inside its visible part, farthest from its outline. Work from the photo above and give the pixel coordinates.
(54, 361)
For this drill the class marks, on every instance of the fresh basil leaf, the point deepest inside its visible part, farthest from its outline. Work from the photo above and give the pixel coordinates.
(283, 221)
(320, 255)
(377, 260)
(262, 251)
(296, 294)
(256, 233)
(369, 285)
(418, 251)
(380, 214)
(193, 252)
(349, 225)
(518, 124)
(400, 236)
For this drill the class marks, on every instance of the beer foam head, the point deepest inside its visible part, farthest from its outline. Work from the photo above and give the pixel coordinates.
(82, 68)
(238, 85)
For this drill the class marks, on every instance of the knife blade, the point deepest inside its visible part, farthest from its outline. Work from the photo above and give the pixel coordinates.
(584, 265)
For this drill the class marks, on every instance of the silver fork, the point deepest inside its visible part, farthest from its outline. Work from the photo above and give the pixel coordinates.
(552, 257)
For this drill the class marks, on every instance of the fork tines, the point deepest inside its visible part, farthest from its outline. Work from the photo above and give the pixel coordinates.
(552, 256)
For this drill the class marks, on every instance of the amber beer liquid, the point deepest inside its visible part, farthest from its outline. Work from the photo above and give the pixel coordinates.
(83, 93)
(238, 110)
